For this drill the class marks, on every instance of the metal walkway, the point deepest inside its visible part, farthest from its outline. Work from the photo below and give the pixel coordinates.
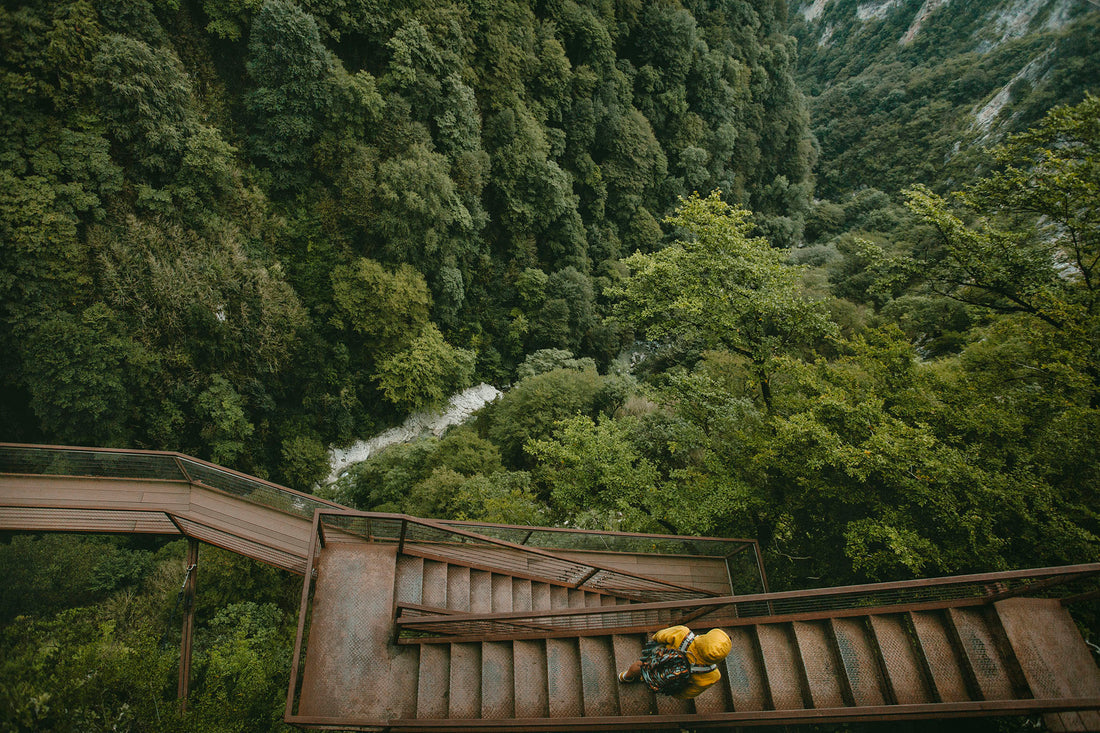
(410, 624)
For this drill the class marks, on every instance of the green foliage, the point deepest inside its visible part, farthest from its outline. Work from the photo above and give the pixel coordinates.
(305, 462)
(721, 288)
(426, 373)
(594, 475)
(531, 408)
(381, 306)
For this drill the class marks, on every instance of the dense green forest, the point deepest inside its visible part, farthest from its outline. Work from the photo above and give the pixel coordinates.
(828, 279)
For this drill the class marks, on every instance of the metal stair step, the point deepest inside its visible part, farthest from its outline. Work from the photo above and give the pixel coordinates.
(782, 666)
(435, 584)
(599, 683)
(905, 680)
(540, 596)
(409, 585)
(634, 698)
(559, 596)
(985, 653)
(497, 680)
(531, 687)
(501, 593)
(940, 654)
(1052, 657)
(434, 681)
(458, 587)
(821, 664)
(563, 667)
(465, 681)
(743, 671)
(859, 660)
(481, 592)
(521, 594)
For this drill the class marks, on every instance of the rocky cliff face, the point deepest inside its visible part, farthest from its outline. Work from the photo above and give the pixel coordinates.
(889, 78)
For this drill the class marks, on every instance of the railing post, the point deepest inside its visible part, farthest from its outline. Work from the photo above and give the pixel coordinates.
(401, 538)
(189, 585)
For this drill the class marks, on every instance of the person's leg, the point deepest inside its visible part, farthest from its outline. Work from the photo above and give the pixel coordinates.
(632, 674)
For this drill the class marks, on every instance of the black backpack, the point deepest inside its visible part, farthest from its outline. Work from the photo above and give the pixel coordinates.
(667, 670)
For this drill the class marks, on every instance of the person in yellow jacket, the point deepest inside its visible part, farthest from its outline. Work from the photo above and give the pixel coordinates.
(703, 650)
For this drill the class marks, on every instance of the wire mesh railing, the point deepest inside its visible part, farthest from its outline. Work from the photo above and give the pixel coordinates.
(417, 623)
(447, 542)
(109, 463)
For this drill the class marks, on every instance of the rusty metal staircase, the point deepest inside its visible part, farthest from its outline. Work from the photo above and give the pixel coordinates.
(410, 624)
(465, 644)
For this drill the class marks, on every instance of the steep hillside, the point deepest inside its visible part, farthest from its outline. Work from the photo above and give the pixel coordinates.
(248, 230)
(901, 90)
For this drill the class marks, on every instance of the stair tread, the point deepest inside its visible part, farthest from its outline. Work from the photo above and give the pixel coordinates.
(458, 587)
(984, 652)
(410, 579)
(1053, 658)
(781, 666)
(822, 669)
(465, 680)
(563, 678)
(859, 661)
(502, 593)
(481, 592)
(434, 681)
(435, 584)
(497, 680)
(902, 661)
(634, 698)
(531, 684)
(522, 595)
(599, 682)
(938, 650)
(742, 674)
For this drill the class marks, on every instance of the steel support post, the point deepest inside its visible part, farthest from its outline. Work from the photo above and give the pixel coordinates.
(188, 622)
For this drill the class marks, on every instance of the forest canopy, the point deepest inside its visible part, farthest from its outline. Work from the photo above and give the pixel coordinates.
(258, 230)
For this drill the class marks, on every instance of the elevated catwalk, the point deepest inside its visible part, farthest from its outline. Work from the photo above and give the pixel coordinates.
(412, 624)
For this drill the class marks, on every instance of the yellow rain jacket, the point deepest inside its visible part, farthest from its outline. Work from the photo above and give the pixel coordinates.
(709, 648)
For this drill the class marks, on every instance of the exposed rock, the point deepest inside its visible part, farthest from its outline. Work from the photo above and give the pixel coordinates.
(814, 10)
(459, 409)
(876, 10)
(929, 7)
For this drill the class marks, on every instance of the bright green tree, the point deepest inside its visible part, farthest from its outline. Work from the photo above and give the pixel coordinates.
(720, 288)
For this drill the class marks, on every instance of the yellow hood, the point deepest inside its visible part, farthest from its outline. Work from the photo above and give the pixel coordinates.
(712, 646)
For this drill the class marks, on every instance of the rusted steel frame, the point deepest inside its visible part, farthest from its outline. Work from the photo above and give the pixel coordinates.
(543, 553)
(174, 521)
(415, 551)
(436, 612)
(61, 527)
(602, 533)
(323, 722)
(122, 507)
(177, 458)
(629, 592)
(869, 713)
(853, 591)
(294, 690)
(649, 627)
(1037, 585)
(227, 533)
(182, 469)
(1090, 595)
(190, 583)
(401, 540)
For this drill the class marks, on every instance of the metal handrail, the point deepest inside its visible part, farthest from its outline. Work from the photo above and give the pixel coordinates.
(975, 589)
(435, 540)
(118, 463)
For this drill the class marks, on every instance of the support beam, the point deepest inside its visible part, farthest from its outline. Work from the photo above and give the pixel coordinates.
(189, 584)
